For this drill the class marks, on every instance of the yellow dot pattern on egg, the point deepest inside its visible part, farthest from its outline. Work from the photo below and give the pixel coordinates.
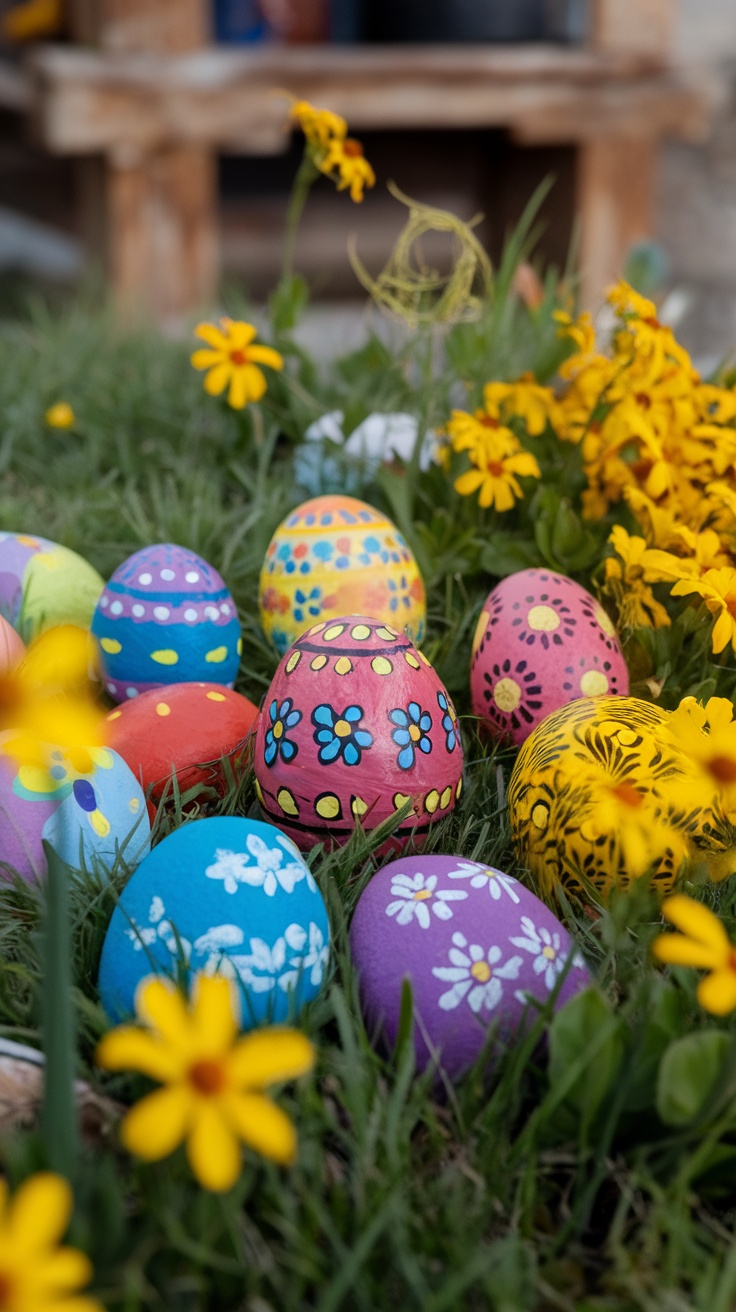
(446, 797)
(480, 629)
(381, 665)
(422, 657)
(216, 656)
(239, 646)
(400, 799)
(411, 660)
(593, 683)
(387, 633)
(134, 805)
(316, 628)
(358, 806)
(114, 715)
(458, 790)
(293, 661)
(286, 801)
(605, 621)
(162, 709)
(328, 806)
(99, 823)
(259, 793)
(165, 657)
(318, 663)
(333, 632)
(627, 737)
(540, 815)
(111, 646)
(344, 665)
(360, 632)
(432, 801)
(543, 619)
(216, 696)
(507, 694)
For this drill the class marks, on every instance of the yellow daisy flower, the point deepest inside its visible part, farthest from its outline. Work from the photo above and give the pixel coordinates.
(318, 125)
(36, 1274)
(345, 158)
(232, 361)
(498, 465)
(707, 734)
(60, 415)
(628, 578)
(704, 944)
(47, 701)
(717, 587)
(213, 1082)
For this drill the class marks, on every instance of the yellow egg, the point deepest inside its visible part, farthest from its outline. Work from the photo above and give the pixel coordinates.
(601, 792)
(335, 556)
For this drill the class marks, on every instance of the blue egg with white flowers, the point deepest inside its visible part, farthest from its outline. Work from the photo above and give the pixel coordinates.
(223, 895)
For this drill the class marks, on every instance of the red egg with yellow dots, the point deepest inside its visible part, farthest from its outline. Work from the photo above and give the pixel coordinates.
(356, 724)
(541, 641)
(186, 729)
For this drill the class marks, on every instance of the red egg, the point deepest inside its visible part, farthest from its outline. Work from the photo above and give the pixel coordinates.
(356, 724)
(186, 729)
(541, 641)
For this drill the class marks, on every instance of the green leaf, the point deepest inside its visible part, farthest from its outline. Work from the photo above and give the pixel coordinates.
(506, 552)
(287, 303)
(586, 1050)
(688, 1074)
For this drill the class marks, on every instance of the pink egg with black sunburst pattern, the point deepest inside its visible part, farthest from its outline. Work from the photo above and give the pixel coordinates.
(541, 641)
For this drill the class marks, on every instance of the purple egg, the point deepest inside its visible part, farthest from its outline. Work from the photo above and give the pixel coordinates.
(475, 945)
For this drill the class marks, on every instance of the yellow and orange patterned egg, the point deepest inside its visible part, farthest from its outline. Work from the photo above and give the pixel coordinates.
(336, 556)
(561, 774)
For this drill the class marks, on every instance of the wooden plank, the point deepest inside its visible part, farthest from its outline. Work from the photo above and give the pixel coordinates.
(633, 26)
(228, 100)
(616, 202)
(173, 26)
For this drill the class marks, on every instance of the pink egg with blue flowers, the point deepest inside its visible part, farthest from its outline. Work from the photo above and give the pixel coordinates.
(541, 641)
(166, 616)
(478, 948)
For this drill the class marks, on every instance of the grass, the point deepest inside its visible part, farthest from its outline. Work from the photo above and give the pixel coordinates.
(558, 1181)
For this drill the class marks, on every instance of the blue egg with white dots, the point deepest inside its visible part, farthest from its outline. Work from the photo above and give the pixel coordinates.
(224, 896)
(166, 616)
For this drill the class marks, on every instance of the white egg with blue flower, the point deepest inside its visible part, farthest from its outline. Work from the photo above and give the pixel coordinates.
(224, 895)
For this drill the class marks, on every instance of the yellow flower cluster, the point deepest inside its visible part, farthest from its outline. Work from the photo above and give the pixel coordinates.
(334, 153)
(496, 455)
(703, 943)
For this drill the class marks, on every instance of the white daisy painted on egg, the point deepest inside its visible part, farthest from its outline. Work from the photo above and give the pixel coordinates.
(476, 974)
(312, 962)
(486, 877)
(546, 947)
(269, 871)
(416, 895)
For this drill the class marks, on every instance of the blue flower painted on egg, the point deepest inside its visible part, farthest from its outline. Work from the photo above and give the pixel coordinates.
(411, 733)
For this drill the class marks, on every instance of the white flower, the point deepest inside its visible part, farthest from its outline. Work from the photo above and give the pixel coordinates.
(158, 928)
(261, 967)
(157, 910)
(486, 877)
(475, 973)
(315, 959)
(414, 893)
(380, 437)
(233, 868)
(545, 947)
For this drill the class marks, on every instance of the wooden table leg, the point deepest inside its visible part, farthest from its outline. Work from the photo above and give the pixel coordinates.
(616, 190)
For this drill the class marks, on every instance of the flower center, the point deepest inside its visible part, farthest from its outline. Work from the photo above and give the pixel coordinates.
(207, 1077)
(489, 422)
(723, 769)
(239, 356)
(495, 467)
(643, 400)
(6, 1289)
(423, 895)
(730, 600)
(342, 729)
(278, 729)
(628, 794)
(10, 694)
(481, 971)
(415, 733)
(549, 953)
(352, 148)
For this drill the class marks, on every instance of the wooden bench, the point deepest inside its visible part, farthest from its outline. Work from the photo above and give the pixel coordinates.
(147, 104)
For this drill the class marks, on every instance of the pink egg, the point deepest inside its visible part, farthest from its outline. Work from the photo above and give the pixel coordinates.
(12, 646)
(356, 724)
(541, 641)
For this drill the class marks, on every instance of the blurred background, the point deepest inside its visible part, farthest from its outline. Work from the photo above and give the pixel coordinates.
(142, 144)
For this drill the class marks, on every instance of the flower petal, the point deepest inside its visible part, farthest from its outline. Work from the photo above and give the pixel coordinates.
(266, 355)
(215, 1014)
(39, 1213)
(676, 950)
(697, 921)
(263, 1126)
(213, 1151)
(269, 1056)
(717, 992)
(158, 1123)
(67, 1269)
(216, 380)
(204, 359)
(240, 334)
(209, 333)
(129, 1048)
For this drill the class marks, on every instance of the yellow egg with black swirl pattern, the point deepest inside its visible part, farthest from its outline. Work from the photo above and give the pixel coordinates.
(335, 556)
(602, 793)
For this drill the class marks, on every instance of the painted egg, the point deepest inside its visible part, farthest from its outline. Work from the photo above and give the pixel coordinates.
(578, 788)
(96, 816)
(473, 942)
(333, 556)
(356, 724)
(541, 641)
(187, 730)
(223, 895)
(43, 584)
(12, 646)
(166, 617)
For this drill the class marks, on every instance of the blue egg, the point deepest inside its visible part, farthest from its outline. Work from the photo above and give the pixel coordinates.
(223, 895)
(166, 616)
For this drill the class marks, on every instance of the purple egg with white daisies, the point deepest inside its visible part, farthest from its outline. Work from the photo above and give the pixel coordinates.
(478, 948)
